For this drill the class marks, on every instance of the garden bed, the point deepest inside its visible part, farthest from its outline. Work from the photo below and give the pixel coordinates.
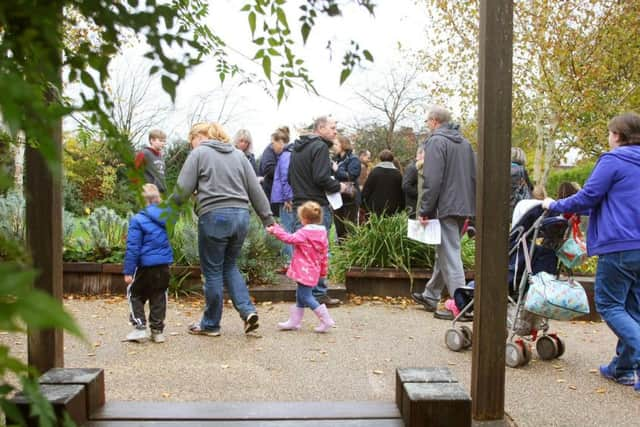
(397, 283)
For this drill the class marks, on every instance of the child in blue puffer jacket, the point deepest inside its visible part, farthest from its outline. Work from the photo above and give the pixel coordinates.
(146, 267)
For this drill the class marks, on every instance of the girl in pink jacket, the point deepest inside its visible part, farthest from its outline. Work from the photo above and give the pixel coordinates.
(308, 265)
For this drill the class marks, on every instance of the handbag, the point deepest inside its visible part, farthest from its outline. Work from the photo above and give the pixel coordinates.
(550, 297)
(349, 190)
(573, 251)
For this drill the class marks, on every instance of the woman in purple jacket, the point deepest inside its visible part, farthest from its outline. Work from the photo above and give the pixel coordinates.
(612, 198)
(281, 192)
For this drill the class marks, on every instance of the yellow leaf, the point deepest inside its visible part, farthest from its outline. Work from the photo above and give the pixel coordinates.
(166, 395)
(377, 372)
(561, 380)
(224, 366)
(601, 390)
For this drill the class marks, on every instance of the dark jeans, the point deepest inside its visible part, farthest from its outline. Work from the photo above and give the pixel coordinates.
(617, 297)
(321, 289)
(149, 284)
(221, 234)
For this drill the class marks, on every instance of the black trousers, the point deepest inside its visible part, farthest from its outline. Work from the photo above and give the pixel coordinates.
(347, 213)
(149, 284)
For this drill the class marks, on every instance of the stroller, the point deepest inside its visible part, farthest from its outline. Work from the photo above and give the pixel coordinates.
(541, 236)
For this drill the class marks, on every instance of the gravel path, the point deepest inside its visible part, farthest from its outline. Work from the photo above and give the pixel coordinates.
(356, 361)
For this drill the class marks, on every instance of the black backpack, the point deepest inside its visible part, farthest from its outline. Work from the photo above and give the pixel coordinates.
(519, 188)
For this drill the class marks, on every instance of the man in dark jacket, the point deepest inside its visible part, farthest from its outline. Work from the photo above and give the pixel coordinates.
(448, 195)
(310, 178)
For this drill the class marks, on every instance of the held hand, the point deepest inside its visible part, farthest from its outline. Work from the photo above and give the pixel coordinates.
(270, 228)
(288, 206)
(547, 202)
(334, 166)
(424, 220)
(343, 187)
(128, 279)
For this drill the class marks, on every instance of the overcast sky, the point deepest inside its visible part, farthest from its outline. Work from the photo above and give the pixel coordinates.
(399, 22)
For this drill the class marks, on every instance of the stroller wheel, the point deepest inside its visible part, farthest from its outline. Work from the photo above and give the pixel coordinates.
(560, 345)
(468, 335)
(514, 355)
(547, 347)
(454, 339)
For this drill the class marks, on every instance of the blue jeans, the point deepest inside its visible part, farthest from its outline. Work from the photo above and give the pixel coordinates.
(221, 233)
(305, 298)
(617, 298)
(287, 220)
(327, 217)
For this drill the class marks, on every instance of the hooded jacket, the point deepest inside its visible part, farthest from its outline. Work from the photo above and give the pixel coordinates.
(449, 187)
(147, 240)
(281, 190)
(224, 178)
(310, 252)
(310, 171)
(611, 195)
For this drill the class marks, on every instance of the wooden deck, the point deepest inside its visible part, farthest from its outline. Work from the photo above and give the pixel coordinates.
(245, 414)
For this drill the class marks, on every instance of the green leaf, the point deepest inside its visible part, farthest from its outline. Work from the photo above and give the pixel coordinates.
(266, 66)
(305, 29)
(169, 87)
(252, 22)
(368, 56)
(344, 75)
(245, 8)
(282, 17)
(280, 92)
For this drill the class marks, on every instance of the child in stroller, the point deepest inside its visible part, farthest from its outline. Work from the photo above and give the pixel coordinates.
(541, 236)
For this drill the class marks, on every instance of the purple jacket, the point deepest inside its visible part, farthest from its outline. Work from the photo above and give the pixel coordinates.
(281, 190)
(611, 195)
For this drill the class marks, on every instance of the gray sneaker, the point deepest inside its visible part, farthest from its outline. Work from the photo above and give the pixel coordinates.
(137, 335)
(157, 336)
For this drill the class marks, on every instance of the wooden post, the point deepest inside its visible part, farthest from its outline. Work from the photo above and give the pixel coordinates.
(43, 188)
(494, 142)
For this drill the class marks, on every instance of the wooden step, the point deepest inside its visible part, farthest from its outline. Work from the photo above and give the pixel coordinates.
(241, 414)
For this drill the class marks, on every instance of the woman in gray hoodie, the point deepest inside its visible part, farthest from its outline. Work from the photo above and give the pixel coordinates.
(225, 183)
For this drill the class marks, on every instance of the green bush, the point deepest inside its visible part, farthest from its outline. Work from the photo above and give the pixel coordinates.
(577, 174)
(184, 240)
(260, 257)
(383, 243)
(105, 239)
(12, 215)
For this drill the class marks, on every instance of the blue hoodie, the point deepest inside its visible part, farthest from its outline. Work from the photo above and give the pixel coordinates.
(612, 196)
(147, 240)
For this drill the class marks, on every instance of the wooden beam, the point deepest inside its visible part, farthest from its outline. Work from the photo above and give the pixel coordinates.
(43, 191)
(44, 236)
(493, 183)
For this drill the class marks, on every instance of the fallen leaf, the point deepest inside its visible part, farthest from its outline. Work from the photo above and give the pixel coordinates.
(593, 371)
(173, 334)
(224, 366)
(323, 351)
(601, 390)
(572, 387)
(411, 337)
(377, 372)
(451, 363)
(97, 344)
(266, 303)
(91, 354)
(166, 395)
(132, 352)
(557, 366)
(560, 380)
(387, 360)
(357, 337)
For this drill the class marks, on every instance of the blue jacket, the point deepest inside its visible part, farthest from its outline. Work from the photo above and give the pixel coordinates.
(349, 168)
(147, 240)
(612, 196)
(281, 190)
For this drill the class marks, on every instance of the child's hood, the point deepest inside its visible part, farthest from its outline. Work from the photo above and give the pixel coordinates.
(316, 234)
(156, 214)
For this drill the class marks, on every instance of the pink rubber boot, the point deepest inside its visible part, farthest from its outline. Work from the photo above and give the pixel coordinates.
(450, 305)
(295, 318)
(326, 322)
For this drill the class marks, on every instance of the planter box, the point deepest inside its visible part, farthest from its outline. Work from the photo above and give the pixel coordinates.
(95, 279)
(387, 281)
(397, 283)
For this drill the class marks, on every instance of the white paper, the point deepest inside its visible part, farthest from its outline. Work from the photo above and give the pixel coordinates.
(335, 200)
(429, 234)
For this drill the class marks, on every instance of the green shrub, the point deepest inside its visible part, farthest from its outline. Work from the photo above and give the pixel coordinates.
(577, 174)
(105, 239)
(12, 216)
(260, 257)
(383, 243)
(184, 240)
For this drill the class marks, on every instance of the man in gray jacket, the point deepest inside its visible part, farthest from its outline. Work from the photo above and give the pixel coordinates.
(449, 194)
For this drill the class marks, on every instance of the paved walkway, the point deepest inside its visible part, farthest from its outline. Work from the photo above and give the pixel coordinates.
(356, 361)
